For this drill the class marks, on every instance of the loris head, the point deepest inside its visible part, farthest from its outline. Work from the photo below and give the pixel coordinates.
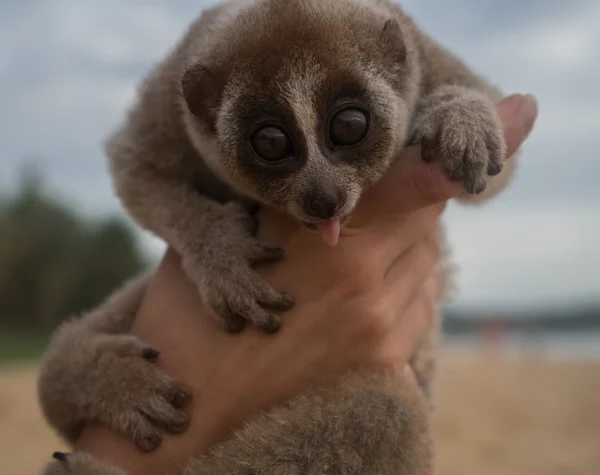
(301, 104)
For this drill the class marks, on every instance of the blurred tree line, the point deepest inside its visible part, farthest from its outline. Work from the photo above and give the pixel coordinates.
(54, 262)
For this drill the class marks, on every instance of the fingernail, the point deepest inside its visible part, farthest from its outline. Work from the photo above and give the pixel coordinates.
(528, 111)
(180, 400)
(532, 98)
(530, 106)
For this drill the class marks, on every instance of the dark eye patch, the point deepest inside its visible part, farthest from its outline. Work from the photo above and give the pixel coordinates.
(348, 126)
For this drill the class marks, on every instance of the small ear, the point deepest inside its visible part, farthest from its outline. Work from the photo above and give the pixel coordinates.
(392, 41)
(201, 88)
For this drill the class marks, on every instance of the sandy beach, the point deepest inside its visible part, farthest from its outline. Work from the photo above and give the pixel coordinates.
(496, 415)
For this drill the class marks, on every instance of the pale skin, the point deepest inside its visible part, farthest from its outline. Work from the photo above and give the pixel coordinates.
(364, 302)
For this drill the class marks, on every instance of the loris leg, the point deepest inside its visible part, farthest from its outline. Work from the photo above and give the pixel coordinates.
(362, 426)
(94, 370)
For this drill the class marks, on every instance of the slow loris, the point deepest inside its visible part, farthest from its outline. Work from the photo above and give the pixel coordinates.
(297, 105)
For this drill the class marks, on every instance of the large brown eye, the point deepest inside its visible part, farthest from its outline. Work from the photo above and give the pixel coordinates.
(348, 127)
(271, 143)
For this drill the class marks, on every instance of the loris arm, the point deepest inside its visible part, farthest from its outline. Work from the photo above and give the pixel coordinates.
(457, 123)
(215, 241)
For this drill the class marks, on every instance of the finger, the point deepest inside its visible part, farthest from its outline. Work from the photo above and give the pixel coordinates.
(407, 274)
(389, 298)
(396, 237)
(518, 114)
(411, 183)
(410, 325)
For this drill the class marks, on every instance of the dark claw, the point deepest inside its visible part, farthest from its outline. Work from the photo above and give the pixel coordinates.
(61, 456)
(476, 188)
(494, 168)
(150, 354)
(456, 174)
(180, 400)
(272, 326)
(429, 150)
(427, 155)
(179, 427)
(495, 152)
(270, 254)
(277, 253)
(283, 305)
(234, 323)
(150, 443)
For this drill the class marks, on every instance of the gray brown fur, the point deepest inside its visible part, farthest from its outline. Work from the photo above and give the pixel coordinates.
(182, 168)
(360, 427)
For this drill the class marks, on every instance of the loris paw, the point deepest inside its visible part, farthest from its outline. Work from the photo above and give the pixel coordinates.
(126, 391)
(223, 271)
(465, 134)
(78, 463)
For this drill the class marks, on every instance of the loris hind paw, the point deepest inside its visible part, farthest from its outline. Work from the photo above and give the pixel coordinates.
(465, 134)
(121, 387)
(223, 271)
(79, 463)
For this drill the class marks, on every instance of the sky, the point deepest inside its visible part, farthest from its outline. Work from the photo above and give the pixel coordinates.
(69, 69)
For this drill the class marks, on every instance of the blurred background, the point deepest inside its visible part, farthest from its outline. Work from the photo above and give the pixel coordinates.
(520, 387)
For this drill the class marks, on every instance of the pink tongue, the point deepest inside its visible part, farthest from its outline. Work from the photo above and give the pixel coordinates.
(329, 231)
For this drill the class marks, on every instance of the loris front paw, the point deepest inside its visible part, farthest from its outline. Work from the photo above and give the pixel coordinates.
(221, 267)
(120, 386)
(78, 463)
(465, 134)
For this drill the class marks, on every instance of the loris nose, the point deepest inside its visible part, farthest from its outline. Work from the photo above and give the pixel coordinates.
(324, 204)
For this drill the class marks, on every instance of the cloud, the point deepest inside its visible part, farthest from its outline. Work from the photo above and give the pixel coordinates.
(68, 71)
(518, 256)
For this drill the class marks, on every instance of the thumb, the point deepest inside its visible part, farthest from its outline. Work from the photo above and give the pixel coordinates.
(518, 114)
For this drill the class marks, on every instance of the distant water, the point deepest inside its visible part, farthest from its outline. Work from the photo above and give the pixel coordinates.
(565, 345)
